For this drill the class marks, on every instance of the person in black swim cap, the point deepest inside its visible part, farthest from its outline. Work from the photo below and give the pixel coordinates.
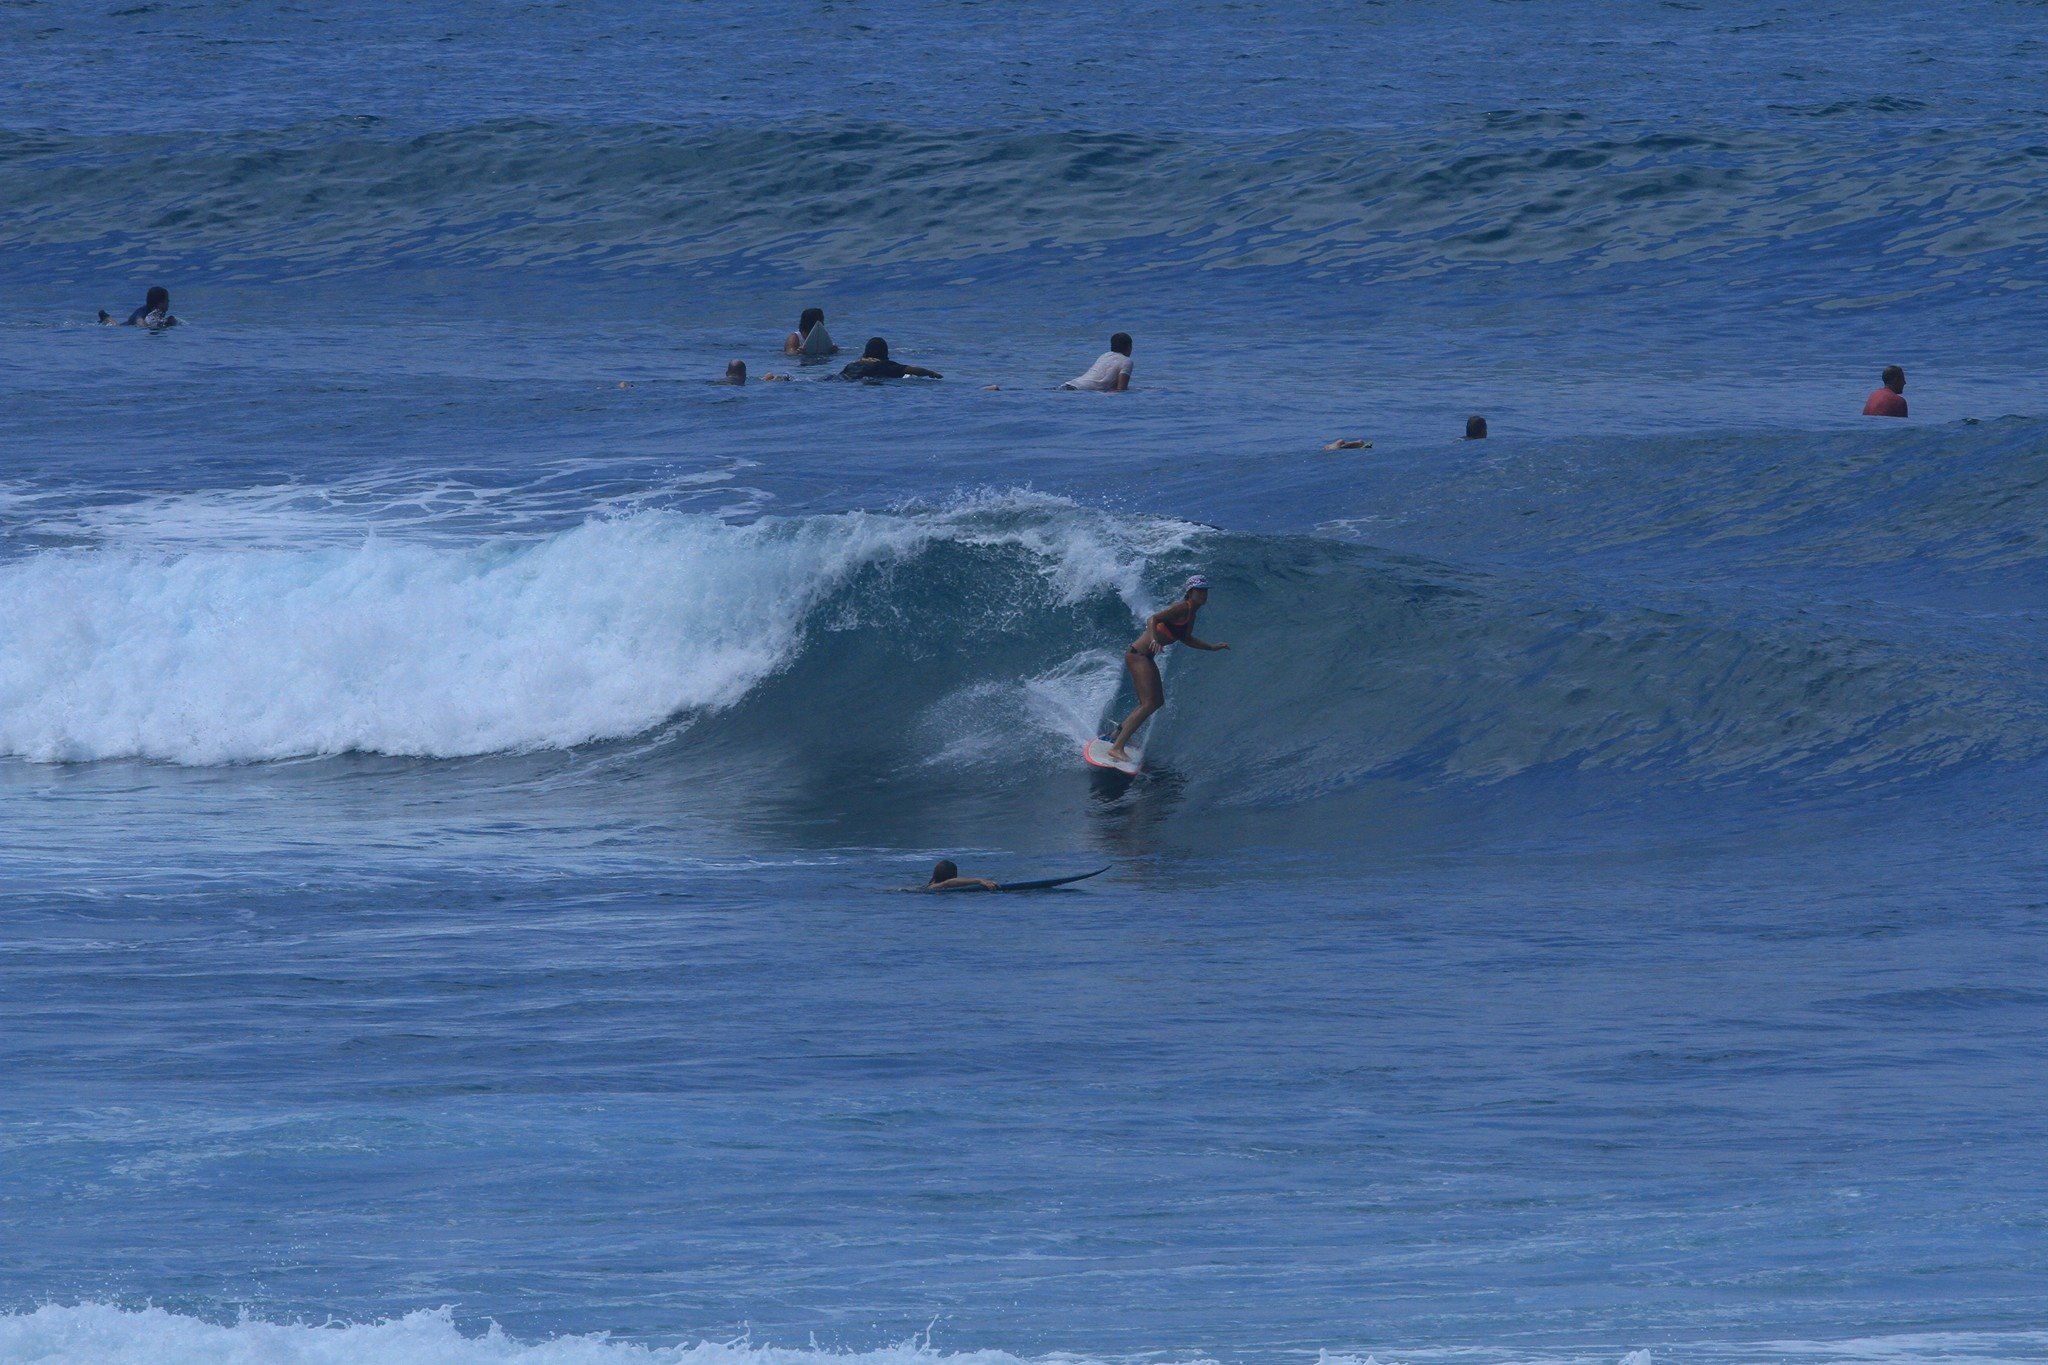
(1174, 625)
(155, 312)
(946, 877)
(874, 363)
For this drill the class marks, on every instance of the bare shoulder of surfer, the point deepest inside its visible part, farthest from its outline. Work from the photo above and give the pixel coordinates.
(946, 877)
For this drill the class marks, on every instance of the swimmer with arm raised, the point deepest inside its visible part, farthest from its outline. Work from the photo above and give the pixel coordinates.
(1175, 625)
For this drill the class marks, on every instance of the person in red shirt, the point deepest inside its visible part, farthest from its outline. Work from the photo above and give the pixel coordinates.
(1889, 401)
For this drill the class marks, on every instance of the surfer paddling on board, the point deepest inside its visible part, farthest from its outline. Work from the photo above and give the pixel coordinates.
(1173, 626)
(946, 877)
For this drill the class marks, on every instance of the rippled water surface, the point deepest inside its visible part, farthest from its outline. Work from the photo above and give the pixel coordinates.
(457, 763)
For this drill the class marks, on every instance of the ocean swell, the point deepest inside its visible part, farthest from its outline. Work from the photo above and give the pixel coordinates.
(982, 638)
(350, 195)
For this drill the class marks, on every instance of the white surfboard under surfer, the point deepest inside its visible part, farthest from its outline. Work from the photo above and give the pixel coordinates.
(1170, 626)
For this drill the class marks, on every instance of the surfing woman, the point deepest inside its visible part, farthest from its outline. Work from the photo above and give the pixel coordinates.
(1173, 626)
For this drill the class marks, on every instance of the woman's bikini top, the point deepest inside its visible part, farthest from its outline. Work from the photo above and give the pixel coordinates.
(1171, 634)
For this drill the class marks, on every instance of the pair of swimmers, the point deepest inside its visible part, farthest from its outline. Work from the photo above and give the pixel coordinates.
(1111, 372)
(874, 363)
(1475, 430)
(813, 342)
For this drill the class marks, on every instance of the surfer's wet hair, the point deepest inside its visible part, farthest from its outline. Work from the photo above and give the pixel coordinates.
(157, 299)
(876, 349)
(945, 871)
(1121, 343)
(811, 318)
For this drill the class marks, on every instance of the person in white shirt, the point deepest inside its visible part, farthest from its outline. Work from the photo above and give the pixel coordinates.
(1110, 374)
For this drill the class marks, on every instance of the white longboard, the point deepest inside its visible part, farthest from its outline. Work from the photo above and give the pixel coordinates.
(1096, 752)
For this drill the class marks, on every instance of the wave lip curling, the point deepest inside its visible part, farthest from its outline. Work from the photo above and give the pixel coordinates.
(603, 631)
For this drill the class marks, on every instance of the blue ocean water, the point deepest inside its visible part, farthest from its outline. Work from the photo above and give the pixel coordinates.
(457, 762)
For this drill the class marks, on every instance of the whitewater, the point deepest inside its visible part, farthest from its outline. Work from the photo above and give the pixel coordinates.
(459, 765)
(599, 632)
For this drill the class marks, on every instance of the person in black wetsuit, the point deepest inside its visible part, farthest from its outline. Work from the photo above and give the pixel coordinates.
(1173, 626)
(874, 363)
(155, 311)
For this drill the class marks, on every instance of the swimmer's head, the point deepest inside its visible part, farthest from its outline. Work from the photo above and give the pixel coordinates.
(157, 299)
(1121, 343)
(1196, 589)
(1894, 378)
(876, 349)
(736, 372)
(944, 872)
(1475, 428)
(811, 318)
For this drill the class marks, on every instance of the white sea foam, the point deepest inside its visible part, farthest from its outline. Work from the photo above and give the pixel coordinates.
(238, 653)
(102, 1334)
(1043, 718)
(105, 1334)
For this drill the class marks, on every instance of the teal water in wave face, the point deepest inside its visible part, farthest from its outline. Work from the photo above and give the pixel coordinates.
(457, 764)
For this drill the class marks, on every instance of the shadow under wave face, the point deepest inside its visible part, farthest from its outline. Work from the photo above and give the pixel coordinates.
(1356, 677)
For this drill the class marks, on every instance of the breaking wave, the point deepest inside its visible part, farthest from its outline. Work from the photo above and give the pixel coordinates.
(984, 637)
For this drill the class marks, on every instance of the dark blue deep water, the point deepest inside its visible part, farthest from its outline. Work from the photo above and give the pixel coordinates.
(456, 761)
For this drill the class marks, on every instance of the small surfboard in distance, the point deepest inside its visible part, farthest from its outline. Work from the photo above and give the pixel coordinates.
(1046, 884)
(1096, 752)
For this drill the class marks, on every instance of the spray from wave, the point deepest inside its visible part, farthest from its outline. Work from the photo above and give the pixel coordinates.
(605, 630)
